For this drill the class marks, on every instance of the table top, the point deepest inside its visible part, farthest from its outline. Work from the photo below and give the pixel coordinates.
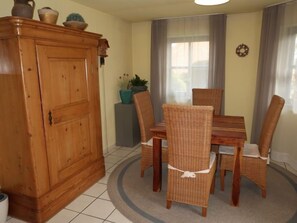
(226, 130)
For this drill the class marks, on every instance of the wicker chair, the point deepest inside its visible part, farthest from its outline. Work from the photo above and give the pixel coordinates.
(146, 119)
(209, 97)
(254, 160)
(188, 131)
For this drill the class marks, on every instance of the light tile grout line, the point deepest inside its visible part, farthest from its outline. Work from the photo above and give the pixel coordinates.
(74, 216)
(110, 214)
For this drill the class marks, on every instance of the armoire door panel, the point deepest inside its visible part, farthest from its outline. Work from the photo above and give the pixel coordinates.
(70, 135)
(67, 80)
(72, 141)
(73, 148)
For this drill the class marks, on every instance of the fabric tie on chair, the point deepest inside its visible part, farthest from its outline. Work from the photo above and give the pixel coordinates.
(189, 174)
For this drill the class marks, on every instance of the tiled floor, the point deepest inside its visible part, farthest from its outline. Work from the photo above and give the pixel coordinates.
(94, 205)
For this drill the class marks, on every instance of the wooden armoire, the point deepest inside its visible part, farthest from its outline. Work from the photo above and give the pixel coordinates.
(50, 126)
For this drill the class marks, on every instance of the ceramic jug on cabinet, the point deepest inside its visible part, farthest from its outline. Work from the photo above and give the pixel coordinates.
(22, 8)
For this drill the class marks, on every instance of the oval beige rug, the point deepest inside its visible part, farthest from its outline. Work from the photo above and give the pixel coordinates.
(134, 198)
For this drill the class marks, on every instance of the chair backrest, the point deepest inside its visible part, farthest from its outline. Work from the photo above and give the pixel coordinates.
(145, 114)
(208, 97)
(270, 121)
(188, 130)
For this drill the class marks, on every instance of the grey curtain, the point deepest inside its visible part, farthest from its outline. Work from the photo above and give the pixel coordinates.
(217, 49)
(158, 66)
(267, 66)
(217, 52)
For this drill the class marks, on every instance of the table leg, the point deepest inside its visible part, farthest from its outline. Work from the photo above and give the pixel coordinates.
(236, 176)
(157, 164)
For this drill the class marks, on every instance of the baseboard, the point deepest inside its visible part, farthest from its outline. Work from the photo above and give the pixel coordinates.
(284, 157)
(109, 148)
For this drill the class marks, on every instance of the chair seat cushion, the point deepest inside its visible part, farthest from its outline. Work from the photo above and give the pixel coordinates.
(250, 150)
(150, 143)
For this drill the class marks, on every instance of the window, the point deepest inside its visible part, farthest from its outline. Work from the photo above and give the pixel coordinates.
(293, 86)
(187, 68)
(286, 84)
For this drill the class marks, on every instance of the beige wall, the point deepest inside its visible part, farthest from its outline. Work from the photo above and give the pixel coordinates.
(240, 72)
(119, 60)
(141, 49)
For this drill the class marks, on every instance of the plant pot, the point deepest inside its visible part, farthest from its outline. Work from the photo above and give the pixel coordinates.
(3, 207)
(137, 89)
(75, 25)
(126, 96)
(48, 15)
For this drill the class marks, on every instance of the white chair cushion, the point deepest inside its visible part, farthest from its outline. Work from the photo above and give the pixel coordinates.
(250, 150)
(150, 143)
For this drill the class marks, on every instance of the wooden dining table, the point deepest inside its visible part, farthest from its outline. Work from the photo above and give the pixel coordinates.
(226, 130)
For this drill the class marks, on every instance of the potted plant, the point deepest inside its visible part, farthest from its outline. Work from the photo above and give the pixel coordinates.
(138, 84)
(125, 89)
(76, 21)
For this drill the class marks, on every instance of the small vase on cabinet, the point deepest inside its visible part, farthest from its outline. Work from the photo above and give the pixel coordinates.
(22, 8)
(48, 15)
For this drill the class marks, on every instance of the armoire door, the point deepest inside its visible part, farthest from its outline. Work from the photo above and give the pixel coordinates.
(67, 104)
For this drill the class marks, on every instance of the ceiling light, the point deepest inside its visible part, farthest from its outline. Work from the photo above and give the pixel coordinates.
(210, 2)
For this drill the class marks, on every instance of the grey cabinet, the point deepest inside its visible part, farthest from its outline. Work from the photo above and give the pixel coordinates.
(127, 127)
